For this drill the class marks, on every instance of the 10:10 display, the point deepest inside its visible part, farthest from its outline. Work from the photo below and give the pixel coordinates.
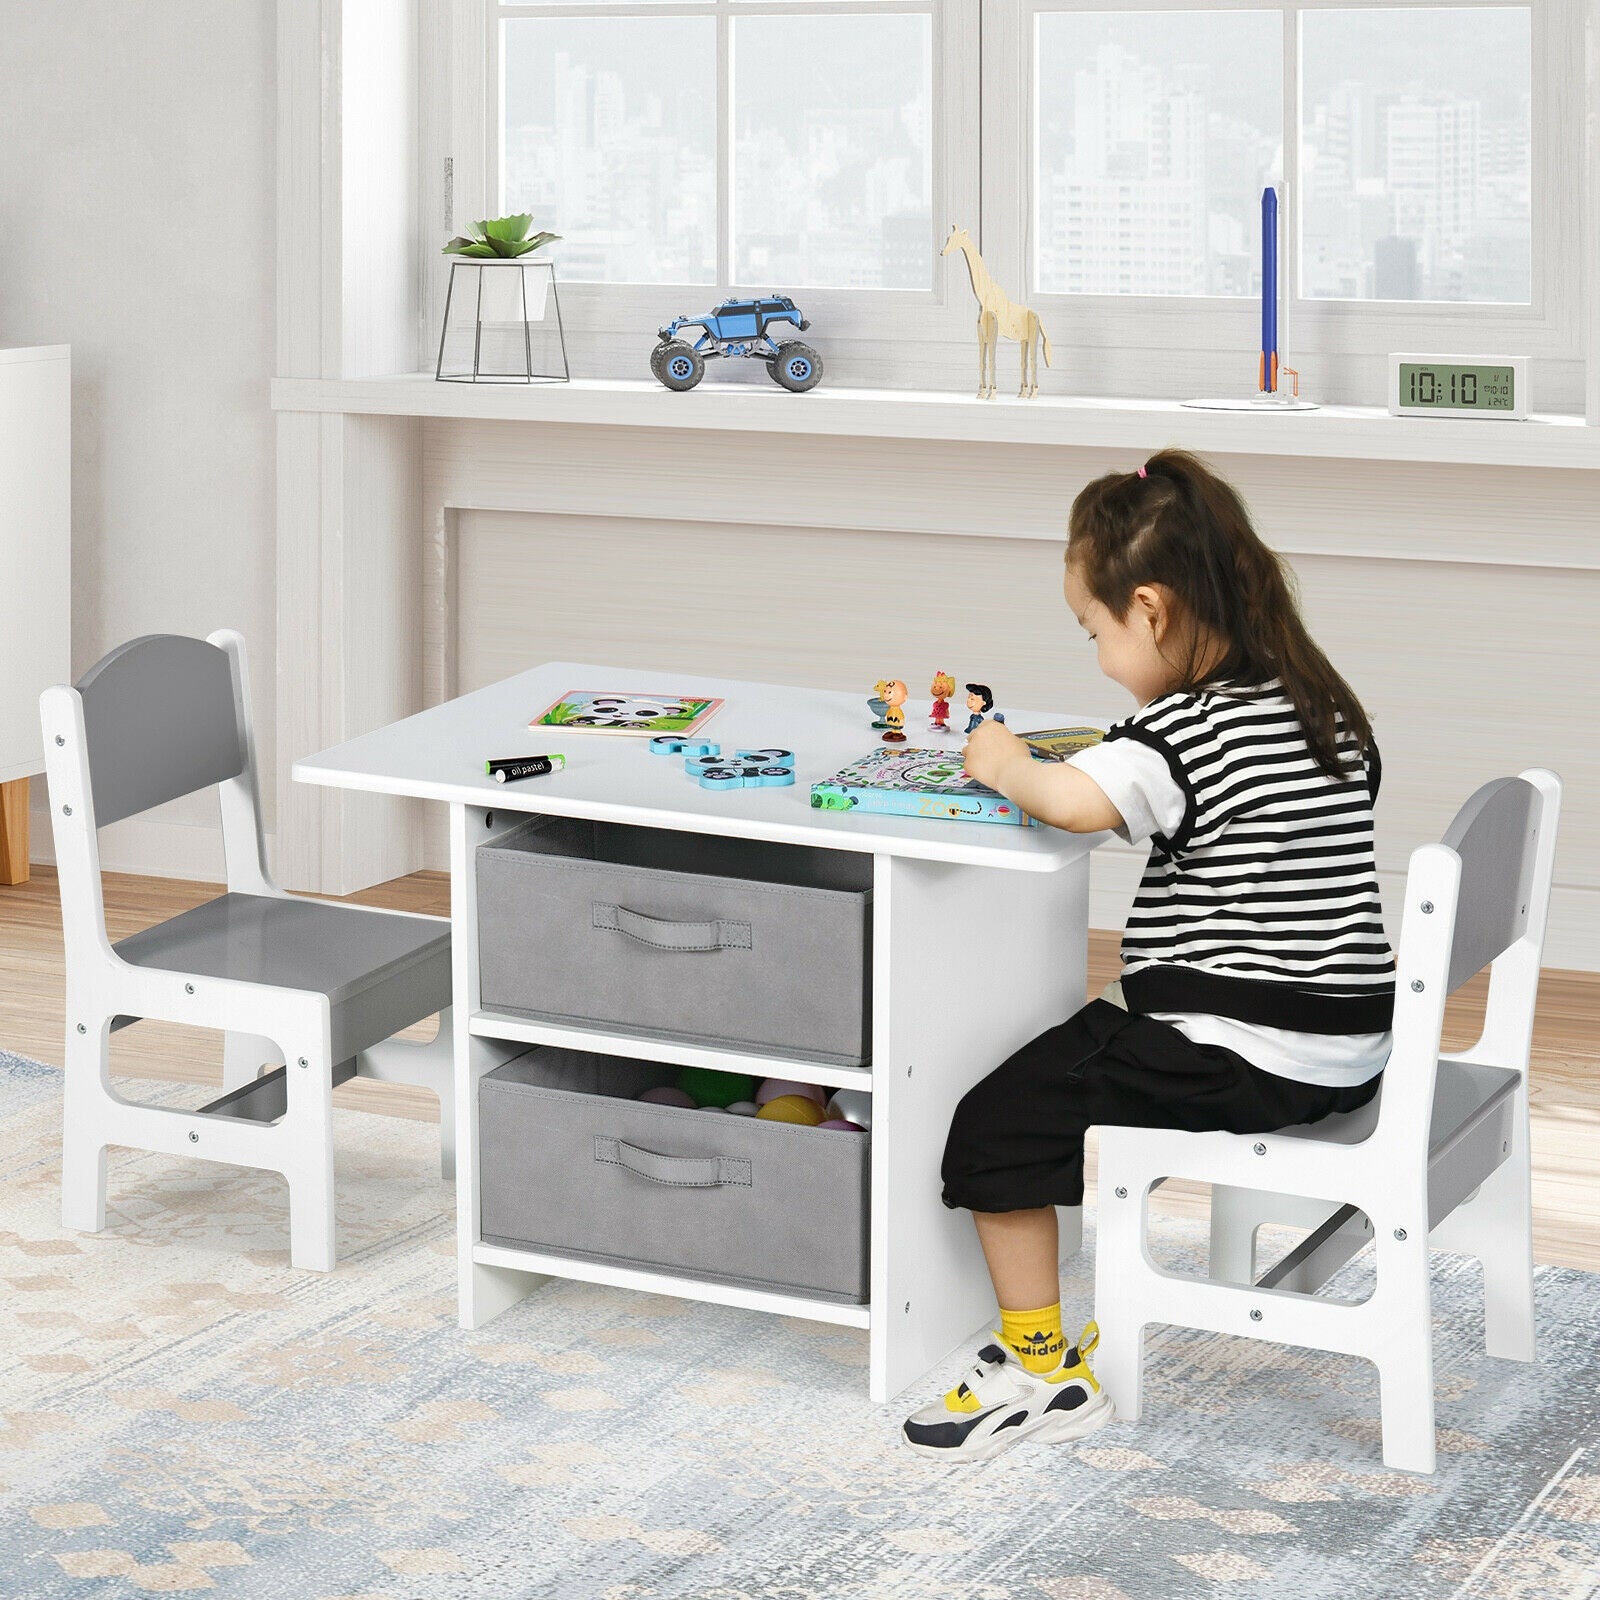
(1491, 388)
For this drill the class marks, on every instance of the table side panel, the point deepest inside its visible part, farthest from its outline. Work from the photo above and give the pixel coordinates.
(1013, 948)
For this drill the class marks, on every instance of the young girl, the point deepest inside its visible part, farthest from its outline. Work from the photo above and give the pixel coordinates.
(1257, 984)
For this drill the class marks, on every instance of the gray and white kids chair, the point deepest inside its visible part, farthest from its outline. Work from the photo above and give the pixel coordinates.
(319, 988)
(1438, 1160)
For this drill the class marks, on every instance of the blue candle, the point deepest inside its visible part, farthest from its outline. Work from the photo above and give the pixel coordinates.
(1268, 380)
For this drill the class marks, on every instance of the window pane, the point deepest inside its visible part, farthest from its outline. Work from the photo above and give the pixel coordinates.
(1416, 154)
(832, 159)
(608, 136)
(1155, 135)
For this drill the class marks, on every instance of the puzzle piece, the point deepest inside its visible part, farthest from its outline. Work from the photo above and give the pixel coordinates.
(670, 744)
(744, 769)
(749, 769)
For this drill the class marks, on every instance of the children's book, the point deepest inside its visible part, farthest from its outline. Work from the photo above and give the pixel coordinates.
(915, 783)
(594, 711)
(1058, 744)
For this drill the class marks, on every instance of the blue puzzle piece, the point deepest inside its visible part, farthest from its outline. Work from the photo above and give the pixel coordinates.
(748, 769)
(669, 744)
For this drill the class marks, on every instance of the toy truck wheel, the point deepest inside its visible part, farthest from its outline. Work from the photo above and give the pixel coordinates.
(797, 368)
(655, 360)
(678, 365)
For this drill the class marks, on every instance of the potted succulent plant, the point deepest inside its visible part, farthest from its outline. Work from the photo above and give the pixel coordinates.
(503, 246)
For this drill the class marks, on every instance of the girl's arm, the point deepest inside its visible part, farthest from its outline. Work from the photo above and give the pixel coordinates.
(1054, 792)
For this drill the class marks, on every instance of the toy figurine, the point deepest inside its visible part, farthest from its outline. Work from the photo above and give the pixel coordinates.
(980, 702)
(877, 705)
(943, 687)
(999, 314)
(894, 697)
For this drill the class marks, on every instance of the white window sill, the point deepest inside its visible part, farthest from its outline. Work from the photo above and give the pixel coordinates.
(1349, 432)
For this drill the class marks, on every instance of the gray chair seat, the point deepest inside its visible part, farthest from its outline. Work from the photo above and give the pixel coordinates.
(380, 971)
(1466, 1099)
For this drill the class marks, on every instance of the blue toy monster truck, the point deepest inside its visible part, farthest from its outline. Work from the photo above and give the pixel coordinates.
(738, 328)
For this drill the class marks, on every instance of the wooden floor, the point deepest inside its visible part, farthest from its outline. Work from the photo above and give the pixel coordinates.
(1565, 1078)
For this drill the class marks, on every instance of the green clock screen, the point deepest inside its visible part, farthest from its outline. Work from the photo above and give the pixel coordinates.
(1475, 388)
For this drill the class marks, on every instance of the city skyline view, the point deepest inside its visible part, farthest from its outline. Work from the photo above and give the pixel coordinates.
(1155, 133)
(830, 167)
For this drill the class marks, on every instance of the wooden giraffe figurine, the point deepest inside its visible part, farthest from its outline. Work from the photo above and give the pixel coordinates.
(999, 314)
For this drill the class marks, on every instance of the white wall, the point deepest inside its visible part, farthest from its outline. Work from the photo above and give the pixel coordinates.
(136, 203)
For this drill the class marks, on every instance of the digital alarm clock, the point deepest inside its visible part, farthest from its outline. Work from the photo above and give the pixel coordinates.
(1458, 386)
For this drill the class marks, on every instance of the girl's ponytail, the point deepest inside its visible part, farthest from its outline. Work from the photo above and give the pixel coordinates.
(1177, 524)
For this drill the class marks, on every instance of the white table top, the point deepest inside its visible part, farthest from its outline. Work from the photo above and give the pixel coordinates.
(439, 755)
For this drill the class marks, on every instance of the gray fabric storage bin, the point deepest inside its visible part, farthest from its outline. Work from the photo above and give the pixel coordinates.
(569, 1162)
(679, 935)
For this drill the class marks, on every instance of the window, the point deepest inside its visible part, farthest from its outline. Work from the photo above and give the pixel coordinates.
(1416, 154)
(823, 174)
(608, 133)
(1155, 134)
(1109, 155)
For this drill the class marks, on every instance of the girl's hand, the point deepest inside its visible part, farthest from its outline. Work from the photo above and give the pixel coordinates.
(991, 747)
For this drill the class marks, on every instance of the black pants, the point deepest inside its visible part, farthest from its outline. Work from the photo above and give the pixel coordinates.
(1016, 1140)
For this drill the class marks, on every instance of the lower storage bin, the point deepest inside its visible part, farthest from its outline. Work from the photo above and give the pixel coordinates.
(569, 1161)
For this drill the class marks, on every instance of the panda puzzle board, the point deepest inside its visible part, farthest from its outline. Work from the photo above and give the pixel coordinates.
(605, 711)
(915, 783)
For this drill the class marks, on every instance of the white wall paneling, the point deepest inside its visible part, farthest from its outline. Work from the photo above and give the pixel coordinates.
(348, 557)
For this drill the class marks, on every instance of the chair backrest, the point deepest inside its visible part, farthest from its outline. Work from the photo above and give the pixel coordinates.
(1496, 835)
(160, 721)
(1479, 898)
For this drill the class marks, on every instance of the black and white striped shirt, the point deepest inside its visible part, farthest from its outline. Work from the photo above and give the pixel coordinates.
(1257, 923)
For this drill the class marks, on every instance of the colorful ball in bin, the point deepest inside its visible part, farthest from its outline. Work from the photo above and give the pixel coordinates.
(706, 1086)
(843, 1124)
(851, 1105)
(667, 1095)
(720, 1110)
(744, 1108)
(773, 1088)
(796, 1108)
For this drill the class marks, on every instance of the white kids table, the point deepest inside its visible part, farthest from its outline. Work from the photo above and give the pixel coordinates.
(979, 935)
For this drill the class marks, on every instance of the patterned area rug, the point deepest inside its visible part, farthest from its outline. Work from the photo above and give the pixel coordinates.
(181, 1412)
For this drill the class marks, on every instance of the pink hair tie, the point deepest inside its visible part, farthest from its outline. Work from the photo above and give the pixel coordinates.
(1143, 473)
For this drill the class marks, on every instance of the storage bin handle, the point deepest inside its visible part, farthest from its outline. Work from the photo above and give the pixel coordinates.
(679, 1172)
(660, 934)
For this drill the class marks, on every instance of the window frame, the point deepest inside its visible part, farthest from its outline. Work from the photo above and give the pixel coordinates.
(1548, 326)
(891, 320)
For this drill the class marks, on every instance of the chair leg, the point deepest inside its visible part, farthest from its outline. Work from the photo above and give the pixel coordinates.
(83, 1150)
(1119, 1261)
(447, 1132)
(428, 1066)
(1069, 1232)
(308, 1124)
(1235, 1216)
(1496, 1226)
(1405, 1355)
(243, 1057)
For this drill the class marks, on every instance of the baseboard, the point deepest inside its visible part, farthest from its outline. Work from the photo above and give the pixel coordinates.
(145, 846)
(1572, 941)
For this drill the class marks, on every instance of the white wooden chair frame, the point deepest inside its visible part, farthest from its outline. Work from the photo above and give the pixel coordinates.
(1441, 1159)
(264, 1025)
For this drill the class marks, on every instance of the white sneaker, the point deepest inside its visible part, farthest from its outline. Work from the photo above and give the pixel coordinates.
(1000, 1403)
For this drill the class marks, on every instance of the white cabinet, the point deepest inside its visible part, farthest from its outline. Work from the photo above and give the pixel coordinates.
(35, 572)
